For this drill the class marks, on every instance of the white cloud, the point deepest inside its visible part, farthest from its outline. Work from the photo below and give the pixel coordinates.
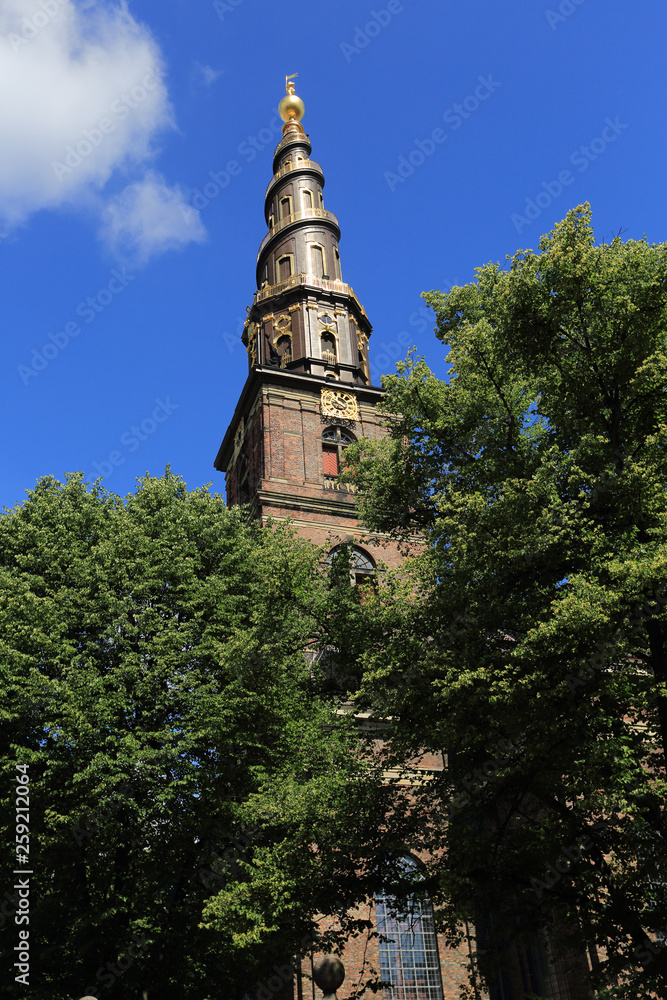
(83, 96)
(206, 74)
(149, 216)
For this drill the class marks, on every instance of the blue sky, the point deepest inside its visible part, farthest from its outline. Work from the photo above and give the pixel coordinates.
(450, 133)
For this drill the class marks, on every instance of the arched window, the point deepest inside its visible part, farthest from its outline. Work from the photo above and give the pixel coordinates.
(363, 567)
(328, 348)
(284, 268)
(334, 443)
(307, 198)
(284, 348)
(317, 260)
(285, 207)
(409, 960)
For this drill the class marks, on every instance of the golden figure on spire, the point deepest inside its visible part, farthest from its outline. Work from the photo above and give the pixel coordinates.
(291, 108)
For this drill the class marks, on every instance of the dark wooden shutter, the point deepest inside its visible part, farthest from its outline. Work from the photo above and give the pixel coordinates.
(285, 268)
(317, 260)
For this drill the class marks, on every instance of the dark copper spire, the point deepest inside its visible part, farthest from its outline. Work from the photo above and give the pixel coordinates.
(304, 317)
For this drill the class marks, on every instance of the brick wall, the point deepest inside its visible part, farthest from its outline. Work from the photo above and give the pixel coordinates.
(362, 961)
(283, 450)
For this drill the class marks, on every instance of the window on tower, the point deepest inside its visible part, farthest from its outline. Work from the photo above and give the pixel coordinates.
(409, 960)
(330, 460)
(284, 348)
(334, 442)
(317, 260)
(284, 267)
(328, 348)
(307, 198)
(285, 207)
(362, 567)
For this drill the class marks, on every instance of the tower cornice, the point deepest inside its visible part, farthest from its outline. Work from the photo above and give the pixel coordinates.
(297, 220)
(319, 285)
(307, 166)
(286, 381)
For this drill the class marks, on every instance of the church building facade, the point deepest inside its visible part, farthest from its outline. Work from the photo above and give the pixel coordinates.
(308, 394)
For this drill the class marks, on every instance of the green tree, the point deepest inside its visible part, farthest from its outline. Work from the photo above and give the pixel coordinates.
(531, 644)
(154, 685)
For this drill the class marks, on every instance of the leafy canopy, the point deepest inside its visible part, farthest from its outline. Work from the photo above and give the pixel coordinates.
(536, 618)
(155, 686)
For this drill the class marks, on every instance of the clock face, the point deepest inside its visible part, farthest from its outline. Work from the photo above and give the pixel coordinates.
(336, 403)
(339, 401)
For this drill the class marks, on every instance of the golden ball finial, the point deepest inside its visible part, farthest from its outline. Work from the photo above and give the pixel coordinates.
(291, 108)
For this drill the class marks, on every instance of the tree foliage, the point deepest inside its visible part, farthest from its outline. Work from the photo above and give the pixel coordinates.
(531, 646)
(154, 687)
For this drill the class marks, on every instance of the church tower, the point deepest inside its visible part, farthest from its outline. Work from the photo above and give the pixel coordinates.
(308, 393)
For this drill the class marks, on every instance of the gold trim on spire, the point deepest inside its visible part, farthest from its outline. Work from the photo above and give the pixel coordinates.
(291, 109)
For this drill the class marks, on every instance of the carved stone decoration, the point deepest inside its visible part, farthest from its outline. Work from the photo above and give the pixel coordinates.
(362, 346)
(282, 324)
(336, 403)
(252, 344)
